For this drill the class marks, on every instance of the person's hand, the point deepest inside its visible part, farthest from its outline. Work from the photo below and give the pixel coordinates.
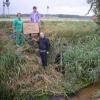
(34, 39)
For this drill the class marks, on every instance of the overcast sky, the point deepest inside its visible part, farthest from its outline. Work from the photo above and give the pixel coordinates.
(79, 7)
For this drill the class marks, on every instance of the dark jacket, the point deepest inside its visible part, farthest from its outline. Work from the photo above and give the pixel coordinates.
(44, 44)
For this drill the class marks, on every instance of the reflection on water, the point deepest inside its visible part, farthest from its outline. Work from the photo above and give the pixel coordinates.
(84, 94)
(87, 93)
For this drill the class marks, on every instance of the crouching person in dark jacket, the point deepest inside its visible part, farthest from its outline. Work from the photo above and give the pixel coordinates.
(44, 46)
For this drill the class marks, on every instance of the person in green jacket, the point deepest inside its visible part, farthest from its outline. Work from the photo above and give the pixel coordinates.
(18, 29)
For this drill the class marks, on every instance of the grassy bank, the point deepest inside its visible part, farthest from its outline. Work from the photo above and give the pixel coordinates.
(80, 48)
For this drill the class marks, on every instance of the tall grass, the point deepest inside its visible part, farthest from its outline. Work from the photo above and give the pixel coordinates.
(10, 63)
(10, 68)
(9, 59)
(80, 47)
(82, 63)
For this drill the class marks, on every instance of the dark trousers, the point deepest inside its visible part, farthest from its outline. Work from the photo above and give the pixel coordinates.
(43, 56)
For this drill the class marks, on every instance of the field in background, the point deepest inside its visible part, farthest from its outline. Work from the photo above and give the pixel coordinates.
(49, 19)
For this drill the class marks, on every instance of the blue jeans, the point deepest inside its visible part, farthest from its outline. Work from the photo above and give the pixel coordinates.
(43, 56)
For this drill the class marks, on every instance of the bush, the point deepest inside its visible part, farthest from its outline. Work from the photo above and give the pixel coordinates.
(10, 63)
(82, 63)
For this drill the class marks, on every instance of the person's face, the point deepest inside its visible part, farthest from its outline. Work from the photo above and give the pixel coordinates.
(18, 15)
(42, 35)
(34, 9)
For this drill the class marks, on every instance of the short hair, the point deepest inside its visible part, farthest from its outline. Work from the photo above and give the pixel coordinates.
(34, 7)
(18, 13)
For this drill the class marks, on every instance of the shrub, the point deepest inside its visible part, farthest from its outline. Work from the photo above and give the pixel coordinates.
(82, 62)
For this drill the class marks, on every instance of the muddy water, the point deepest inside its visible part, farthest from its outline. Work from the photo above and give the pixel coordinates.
(57, 98)
(84, 94)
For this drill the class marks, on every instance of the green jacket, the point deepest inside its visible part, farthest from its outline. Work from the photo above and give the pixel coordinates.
(18, 25)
